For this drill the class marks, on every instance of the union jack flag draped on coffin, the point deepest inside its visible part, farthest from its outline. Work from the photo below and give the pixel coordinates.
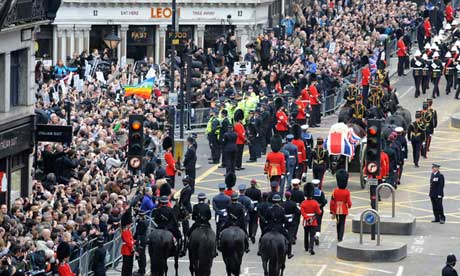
(341, 140)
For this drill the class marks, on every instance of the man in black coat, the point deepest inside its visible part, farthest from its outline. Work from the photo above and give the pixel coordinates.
(99, 257)
(142, 225)
(437, 193)
(256, 197)
(190, 162)
(224, 124)
(449, 269)
(265, 48)
(291, 211)
(229, 146)
(185, 206)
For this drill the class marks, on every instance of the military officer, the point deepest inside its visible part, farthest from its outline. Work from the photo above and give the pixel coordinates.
(219, 205)
(307, 138)
(436, 70)
(291, 211)
(402, 141)
(298, 197)
(201, 214)
(253, 132)
(417, 64)
(319, 196)
(437, 193)
(320, 158)
(310, 211)
(416, 135)
(255, 195)
(275, 166)
(425, 73)
(301, 151)
(427, 119)
(262, 211)
(291, 162)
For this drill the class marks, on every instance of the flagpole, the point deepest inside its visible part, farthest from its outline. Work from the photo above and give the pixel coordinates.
(172, 110)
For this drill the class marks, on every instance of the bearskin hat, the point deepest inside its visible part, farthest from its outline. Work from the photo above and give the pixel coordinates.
(296, 131)
(425, 105)
(308, 190)
(278, 103)
(230, 180)
(342, 178)
(127, 218)
(364, 60)
(63, 251)
(276, 143)
(313, 77)
(238, 116)
(167, 143)
(426, 14)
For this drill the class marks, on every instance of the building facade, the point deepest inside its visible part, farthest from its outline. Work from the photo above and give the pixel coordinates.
(142, 25)
(19, 21)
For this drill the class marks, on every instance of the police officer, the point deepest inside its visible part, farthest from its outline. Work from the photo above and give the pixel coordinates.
(237, 217)
(255, 195)
(98, 258)
(319, 196)
(229, 149)
(449, 269)
(185, 206)
(213, 132)
(320, 158)
(190, 162)
(276, 220)
(224, 127)
(274, 190)
(291, 161)
(165, 219)
(219, 205)
(417, 65)
(291, 211)
(436, 67)
(201, 215)
(437, 193)
(416, 135)
(298, 197)
(262, 211)
(246, 202)
(142, 225)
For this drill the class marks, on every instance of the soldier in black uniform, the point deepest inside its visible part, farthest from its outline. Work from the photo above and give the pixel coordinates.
(449, 70)
(416, 135)
(291, 211)
(165, 218)
(274, 185)
(298, 197)
(185, 207)
(253, 129)
(320, 157)
(190, 162)
(142, 225)
(262, 211)
(255, 195)
(319, 196)
(417, 64)
(402, 142)
(427, 119)
(358, 112)
(265, 128)
(276, 220)
(437, 193)
(236, 217)
(425, 73)
(436, 70)
(449, 269)
(224, 127)
(219, 205)
(229, 147)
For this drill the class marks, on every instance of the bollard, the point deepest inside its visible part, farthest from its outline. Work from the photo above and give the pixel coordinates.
(376, 221)
(393, 200)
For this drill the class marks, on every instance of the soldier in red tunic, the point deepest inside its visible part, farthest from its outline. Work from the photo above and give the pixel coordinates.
(282, 125)
(275, 166)
(340, 202)
(63, 254)
(170, 161)
(310, 211)
(301, 151)
(127, 249)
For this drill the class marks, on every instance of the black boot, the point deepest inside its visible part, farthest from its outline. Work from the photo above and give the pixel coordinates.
(246, 244)
(290, 255)
(180, 248)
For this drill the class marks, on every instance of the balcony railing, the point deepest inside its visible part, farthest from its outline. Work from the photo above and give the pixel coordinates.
(26, 11)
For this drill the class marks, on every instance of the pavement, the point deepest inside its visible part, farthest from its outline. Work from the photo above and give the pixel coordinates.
(427, 249)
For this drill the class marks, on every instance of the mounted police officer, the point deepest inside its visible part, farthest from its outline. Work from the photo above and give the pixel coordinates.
(201, 215)
(142, 226)
(291, 161)
(291, 212)
(262, 211)
(276, 220)
(255, 195)
(237, 217)
(219, 205)
(246, 202)
(165, 218)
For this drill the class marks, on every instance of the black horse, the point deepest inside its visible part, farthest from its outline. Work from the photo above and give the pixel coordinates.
(202, 246)
(273, 249)
(232, 245)
(161, 247)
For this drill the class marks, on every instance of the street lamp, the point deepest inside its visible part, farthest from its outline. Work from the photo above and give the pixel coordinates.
(112, 40)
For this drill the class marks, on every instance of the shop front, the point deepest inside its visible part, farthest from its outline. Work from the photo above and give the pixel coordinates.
(140, 42)
(16, 145)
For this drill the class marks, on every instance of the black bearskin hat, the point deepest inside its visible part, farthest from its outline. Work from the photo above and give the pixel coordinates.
(308, 190)
(276, 143)
(364, 60)
(126, 218)
(167, 143)
(418, 114)
(313, 77)
(278, 103)
(63, 251)
(426, 14)
(342, 178)
(425, 105)
(296, 131)
(238, 116)
(230, 180)
(399, 33)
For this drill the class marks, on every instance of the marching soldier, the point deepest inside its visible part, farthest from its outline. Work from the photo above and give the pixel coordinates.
(436, 66)
(253, 130)
(275, 166)
(291, 211)
(302, 111)
(246, 202)
(292, 160)
(435, 115)
(310, 210)
(142, 225)
(320, 157)
(255, 195)
(236, 217)
(448, 71)
(262, 211)
(437, 193)
(213, 132)
(417, 64)
(319, 196)
(293, 109)
(359, 112)
(401, 140)
(307, 138)
(190, 162)
(416, 135)
(301, 151)
(241, 138)
(427, 119)
(224, 127)
(219, 205)
(298, 197)
(340, 202)
(230, 150)
(282, 125)
(425, 73)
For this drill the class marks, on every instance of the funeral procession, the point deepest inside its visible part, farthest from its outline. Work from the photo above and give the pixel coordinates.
(229, 138)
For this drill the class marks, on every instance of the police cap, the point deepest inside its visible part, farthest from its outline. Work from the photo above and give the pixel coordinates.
(276, 198)
(274, 184)
(289, 137)
(222, 186)
(434, 165)
(164, 200)
(201, 196)
(295, 181)
(242, 187)
(235, 196)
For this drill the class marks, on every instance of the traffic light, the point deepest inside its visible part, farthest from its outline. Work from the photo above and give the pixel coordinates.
(194, 68)
(135, 141)
(372, 155)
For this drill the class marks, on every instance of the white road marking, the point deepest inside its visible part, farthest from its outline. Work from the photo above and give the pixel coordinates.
(320, 272)
(246, 272)
(400, 271)
(407, 92)
(364, 267)
(346, 272)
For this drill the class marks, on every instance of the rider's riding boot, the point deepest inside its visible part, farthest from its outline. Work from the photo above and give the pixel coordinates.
(184, 247)
(290, 255)
(179, 247)
(246, 244)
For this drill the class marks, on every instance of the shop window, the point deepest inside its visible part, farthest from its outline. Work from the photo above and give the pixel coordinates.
(44, 42)
(15, 186)
(189, 29)
(97, 34)
(140, 42)
(18, 77)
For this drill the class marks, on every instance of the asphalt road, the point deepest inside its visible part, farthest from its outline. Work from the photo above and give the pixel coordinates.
(426, 250)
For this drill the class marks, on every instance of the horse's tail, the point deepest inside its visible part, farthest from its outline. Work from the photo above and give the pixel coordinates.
(205, 256)
(273, 262)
